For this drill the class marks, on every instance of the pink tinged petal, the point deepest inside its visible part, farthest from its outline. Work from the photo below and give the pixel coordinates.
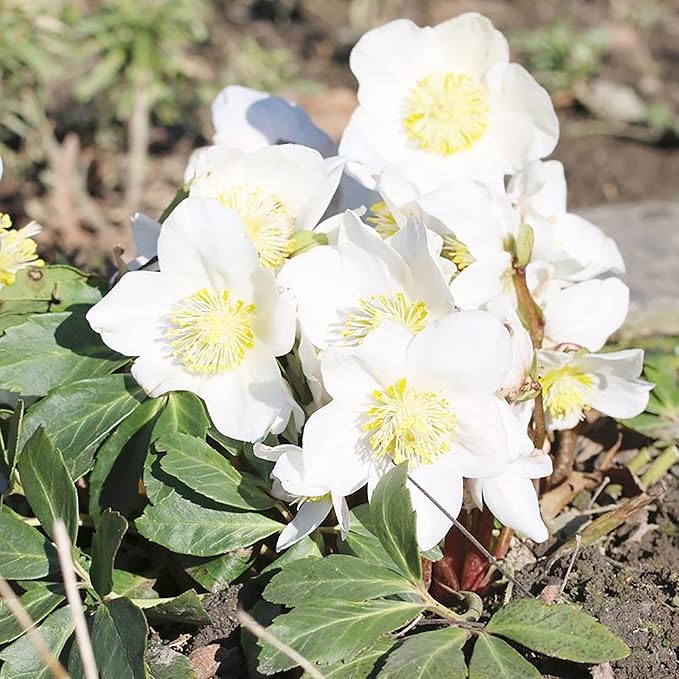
(469, 351)
(443, 481)
(586, 313)
(335, 453)
(309, 517)
(514, 502)
(130, 317)
(245, 402)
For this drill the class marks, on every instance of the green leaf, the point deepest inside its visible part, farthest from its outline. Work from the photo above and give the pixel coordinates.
(188, 528)
(394, 522)
(38, 602)
(26, 554)
(203, 469)
(12, 449)
(430, 655)
(332, 631)
(63, 349)
(133, 586)
(118, 631)
(306, 548)
(361, 540)
(47, 484)
(105, 545)
(185, 608)
(362, 665)
(335, 577)
(559, 630)
(165, 663)
(184, 412)
(114, 482)
(20, 660)
(496, 659)
(216, 573)
(78, 416)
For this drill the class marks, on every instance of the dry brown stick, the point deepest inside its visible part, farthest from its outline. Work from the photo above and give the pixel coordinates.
(82, 634)
(564, 459)
(252, 626)
(32, 633)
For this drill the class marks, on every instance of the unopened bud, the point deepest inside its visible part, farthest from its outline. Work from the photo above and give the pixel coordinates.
(523, 245)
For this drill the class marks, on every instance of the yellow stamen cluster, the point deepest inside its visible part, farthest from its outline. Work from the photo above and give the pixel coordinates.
(209, 332)
(17, 249)
(445, 113)
(376, 308)
(409, 425)
(567, 390)
(457, 252)
(382, 219)
(267, 221)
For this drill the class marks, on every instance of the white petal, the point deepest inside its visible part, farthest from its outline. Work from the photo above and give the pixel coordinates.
(537, 465)
(309, 517)
(272, 453)
(158, 374)
(145, 232)
(341, 508)
(480, 281)
(443, 481)
(345, 375)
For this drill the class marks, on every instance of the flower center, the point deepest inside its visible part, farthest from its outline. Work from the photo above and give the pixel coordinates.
(17, 249)
(210, 333)
(567, 390)
(266, 220)
(376, 308)
(409, 425)
(446, 113)
(382, 219)
(457, 252)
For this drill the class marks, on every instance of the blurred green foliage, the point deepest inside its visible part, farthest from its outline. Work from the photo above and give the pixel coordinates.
(558, 55)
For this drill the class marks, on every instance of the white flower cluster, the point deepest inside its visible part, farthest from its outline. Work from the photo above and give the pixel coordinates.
(393, 284)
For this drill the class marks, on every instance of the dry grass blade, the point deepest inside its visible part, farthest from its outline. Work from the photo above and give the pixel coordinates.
(82, 634)
(252, 626)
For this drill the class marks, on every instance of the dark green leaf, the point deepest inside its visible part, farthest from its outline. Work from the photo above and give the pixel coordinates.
(337, 576)
(63, 349)
(559, 630)
(306, 548)
(114, 481)
(105, 544)
(47, 484)
(26, 554)
(216, 573)
(13, 433)
(496, 659)
(394, 522)
(184, 413)
(189, 528)
(362, 666)
(203, 469)
(165, 663)
(332, 631)
(361, 540)
(133, 586)
(430, 655)
(78, 416)
(118, 630)
(185, 608)
(20, 658)
(38, 602)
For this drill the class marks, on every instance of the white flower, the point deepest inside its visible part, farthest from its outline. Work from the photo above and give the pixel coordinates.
(249, 120)
(211, 321)
(314, 502)
(17, 248)
(572, 383)
(444, 101)
(345, 290)
(586, 313)
(427, 400)
(511, 495)
(145, 232)
(278, 191)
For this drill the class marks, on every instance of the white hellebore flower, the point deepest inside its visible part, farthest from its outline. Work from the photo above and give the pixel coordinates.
(249, 120)
(345, 290)
(444, 101)
(278, 191)
(314, 501)
(572, 383)
(211, 321)
(511, 495)
(427, 400)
